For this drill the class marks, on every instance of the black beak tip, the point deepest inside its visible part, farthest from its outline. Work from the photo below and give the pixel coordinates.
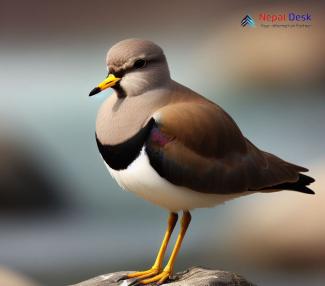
(94, 91)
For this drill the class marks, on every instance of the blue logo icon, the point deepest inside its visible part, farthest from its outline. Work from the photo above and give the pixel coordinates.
(248, 20)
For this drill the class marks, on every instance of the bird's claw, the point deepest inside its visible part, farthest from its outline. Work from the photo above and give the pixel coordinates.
(159, 278)
(152, 275)
(144, 274)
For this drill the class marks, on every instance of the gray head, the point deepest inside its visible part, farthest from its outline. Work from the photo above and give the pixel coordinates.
(134, 66)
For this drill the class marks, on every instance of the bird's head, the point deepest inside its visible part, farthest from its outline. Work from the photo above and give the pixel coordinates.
(134, 67)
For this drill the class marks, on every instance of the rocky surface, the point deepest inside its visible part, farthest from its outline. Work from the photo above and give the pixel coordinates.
(195, 276)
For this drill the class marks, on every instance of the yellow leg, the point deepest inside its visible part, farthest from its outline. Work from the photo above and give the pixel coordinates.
(157, 266)
(168, 270)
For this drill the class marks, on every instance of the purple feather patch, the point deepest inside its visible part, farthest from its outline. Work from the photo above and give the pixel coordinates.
(159, 138)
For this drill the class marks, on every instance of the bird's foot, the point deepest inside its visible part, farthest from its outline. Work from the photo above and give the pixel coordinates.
(153, 275)
(158, 279)
(144, 274)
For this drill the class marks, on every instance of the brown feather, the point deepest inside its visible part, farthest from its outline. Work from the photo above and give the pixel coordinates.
(209, 154)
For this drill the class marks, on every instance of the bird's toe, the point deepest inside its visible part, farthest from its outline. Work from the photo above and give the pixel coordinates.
(144, 274)
(159, 278)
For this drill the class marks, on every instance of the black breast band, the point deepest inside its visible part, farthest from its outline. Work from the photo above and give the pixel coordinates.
(121, 155)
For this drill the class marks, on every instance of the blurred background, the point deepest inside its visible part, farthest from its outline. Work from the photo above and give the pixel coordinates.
(62, 217)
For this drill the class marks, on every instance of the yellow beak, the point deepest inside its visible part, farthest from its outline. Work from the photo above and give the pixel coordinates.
(110, 81)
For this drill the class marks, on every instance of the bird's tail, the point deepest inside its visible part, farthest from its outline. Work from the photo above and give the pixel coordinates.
(299, 186)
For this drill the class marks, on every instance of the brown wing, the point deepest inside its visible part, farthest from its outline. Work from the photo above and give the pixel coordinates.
(199, 146)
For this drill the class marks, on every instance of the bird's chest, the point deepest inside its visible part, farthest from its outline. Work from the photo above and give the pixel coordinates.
(141, 179)
(120, 156)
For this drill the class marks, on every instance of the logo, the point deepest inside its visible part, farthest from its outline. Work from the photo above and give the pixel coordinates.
(248, 20)
(278, 20)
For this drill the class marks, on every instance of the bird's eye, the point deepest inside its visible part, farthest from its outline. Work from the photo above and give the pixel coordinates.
(139, 63)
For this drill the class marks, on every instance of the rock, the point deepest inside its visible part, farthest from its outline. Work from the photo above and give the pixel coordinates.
(195, 276)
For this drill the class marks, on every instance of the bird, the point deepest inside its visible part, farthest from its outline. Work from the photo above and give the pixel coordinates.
(175, 148)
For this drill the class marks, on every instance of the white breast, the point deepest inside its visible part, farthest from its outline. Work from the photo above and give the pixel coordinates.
(140, 178)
